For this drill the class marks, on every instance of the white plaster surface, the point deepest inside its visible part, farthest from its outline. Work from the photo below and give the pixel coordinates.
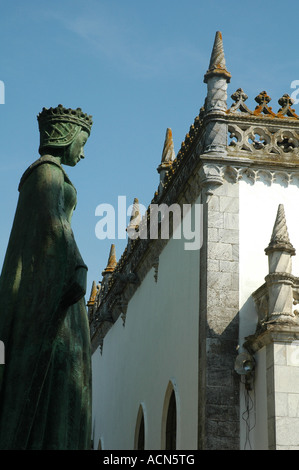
(258, 207)
(158, 344)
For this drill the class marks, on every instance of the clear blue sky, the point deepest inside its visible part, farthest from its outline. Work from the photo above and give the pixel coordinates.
(137, 67)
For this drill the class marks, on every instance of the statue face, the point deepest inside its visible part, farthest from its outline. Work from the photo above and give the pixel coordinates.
(75, 151)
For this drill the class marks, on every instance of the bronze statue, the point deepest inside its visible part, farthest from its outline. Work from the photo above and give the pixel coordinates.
(45, 384)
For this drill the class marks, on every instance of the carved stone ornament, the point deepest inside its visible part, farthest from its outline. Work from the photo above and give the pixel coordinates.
(275, 299)
(261, 139)
(263, 99)
(105, 315)
(211, 176)
(280, 241)
(286, 102)
(239, 97)
(263, 109)
(217, 66)
(121, 305)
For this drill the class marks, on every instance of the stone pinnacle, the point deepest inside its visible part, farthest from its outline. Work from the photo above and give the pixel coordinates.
(217, 62)
(280, 238)
(111, 261)
(135, 216)
(93, 294)
(168, 154)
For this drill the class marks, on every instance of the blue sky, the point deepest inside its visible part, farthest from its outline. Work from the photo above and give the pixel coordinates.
(137, 67)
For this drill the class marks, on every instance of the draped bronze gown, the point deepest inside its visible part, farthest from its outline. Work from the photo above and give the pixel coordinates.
(45, 384)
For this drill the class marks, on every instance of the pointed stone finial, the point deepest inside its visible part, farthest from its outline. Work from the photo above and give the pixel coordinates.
(111, 261)
(216, 78)
(168, 154)
(286, 109)
(135, 220)
(239, 97)
(263, 100)
(93, 294)
(217, 62)
(279, 281)
(280, 237)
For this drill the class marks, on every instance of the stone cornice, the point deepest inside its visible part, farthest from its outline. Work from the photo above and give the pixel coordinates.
(286, 333)
(264, 120)
(233, 170)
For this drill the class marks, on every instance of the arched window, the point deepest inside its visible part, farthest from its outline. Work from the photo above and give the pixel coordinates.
(140, 441)
(140, 430)
(170, 418)
(170, 438)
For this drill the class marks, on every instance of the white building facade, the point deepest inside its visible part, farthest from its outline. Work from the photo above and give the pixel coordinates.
(195, 346)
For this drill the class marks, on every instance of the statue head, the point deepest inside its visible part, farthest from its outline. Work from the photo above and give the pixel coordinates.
(64, 132)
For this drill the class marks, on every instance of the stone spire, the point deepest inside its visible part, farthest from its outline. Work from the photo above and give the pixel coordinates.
(217, 78)
(217, 62)
(134, 220)
(92, 302)
(93, 294)
(168, 156)
(280, 281)
(274, 299)
(280, 240)
(111, 261)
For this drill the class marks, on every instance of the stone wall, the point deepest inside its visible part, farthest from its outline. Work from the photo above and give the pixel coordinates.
(218, 384)
(279, 344)
(283, 407)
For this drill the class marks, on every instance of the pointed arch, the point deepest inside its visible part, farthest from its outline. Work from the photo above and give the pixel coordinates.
(100, 446)
(140, 429)
(170, 418)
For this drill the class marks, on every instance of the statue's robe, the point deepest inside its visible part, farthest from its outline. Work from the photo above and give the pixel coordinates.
(45, 384)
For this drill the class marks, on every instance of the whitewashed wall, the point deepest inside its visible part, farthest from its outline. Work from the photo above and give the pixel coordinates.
(157, 345)
(258, 207)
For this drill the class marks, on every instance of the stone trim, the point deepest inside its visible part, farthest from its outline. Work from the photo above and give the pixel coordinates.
(270, 333)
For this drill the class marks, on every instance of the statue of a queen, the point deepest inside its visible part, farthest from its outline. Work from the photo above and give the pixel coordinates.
(45, 384)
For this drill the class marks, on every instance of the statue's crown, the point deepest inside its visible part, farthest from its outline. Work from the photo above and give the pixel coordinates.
(67, 115)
